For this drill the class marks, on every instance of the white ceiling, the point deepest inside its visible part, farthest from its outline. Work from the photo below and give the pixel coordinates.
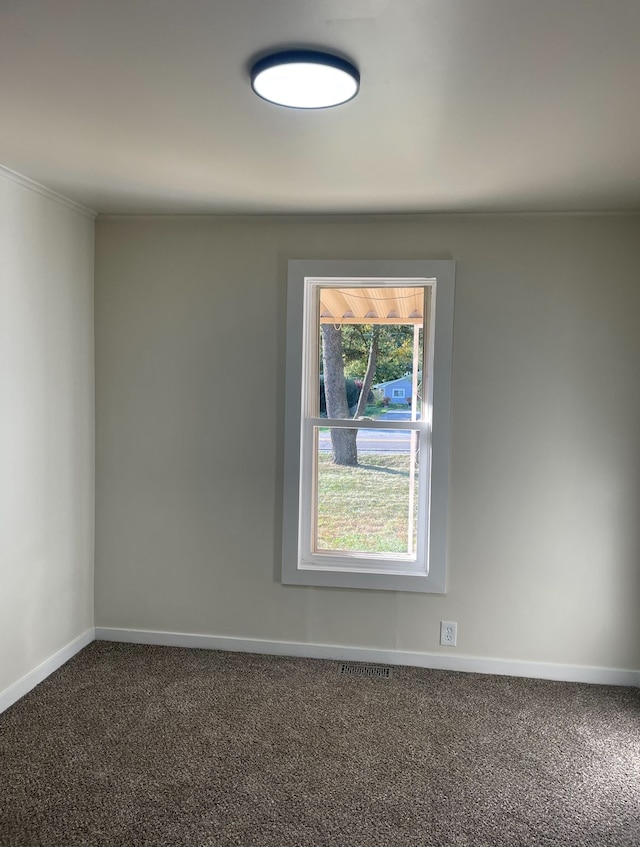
(465, 105)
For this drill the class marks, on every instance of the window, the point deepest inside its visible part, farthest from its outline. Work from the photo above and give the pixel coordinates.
(365, 481)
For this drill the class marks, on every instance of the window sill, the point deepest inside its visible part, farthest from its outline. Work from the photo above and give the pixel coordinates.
(413, 582)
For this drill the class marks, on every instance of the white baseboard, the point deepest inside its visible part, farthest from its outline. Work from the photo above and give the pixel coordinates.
(440, 661)
(14, 692)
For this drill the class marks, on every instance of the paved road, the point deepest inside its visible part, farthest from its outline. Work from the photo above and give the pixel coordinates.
(378, 440)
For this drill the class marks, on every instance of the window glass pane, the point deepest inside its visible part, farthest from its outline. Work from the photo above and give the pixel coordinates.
(370, 339)
(366, 491)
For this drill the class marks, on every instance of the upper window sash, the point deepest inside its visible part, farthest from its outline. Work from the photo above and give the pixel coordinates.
(311, 330)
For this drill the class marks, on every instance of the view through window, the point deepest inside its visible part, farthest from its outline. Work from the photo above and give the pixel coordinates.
(365, 486)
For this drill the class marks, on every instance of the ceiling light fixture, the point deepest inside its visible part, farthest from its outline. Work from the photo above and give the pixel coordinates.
(305, 79)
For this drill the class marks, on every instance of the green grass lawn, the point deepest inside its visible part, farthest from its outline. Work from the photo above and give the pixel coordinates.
(364, 509)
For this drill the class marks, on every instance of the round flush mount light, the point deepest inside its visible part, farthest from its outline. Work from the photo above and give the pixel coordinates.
(305, 79)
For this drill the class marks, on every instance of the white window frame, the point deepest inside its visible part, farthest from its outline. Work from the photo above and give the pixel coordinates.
(397, 393)
(299, 566)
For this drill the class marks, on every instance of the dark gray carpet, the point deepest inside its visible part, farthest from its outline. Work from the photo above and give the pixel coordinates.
(163, 747)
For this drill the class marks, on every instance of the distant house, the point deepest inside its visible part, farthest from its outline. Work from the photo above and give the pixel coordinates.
(397, 390)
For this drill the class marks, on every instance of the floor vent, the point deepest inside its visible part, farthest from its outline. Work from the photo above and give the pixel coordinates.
(364, 670)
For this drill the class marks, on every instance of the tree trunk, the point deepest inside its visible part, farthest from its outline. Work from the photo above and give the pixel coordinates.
(371, 369)
(343, 441)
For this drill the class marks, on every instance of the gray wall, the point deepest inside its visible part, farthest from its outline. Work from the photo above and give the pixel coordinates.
(545, 496)
(46, 428)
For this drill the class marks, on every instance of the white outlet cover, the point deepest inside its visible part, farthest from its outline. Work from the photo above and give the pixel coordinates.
(448, 633)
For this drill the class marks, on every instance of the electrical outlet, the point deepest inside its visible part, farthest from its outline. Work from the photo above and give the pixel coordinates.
(448, 633)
